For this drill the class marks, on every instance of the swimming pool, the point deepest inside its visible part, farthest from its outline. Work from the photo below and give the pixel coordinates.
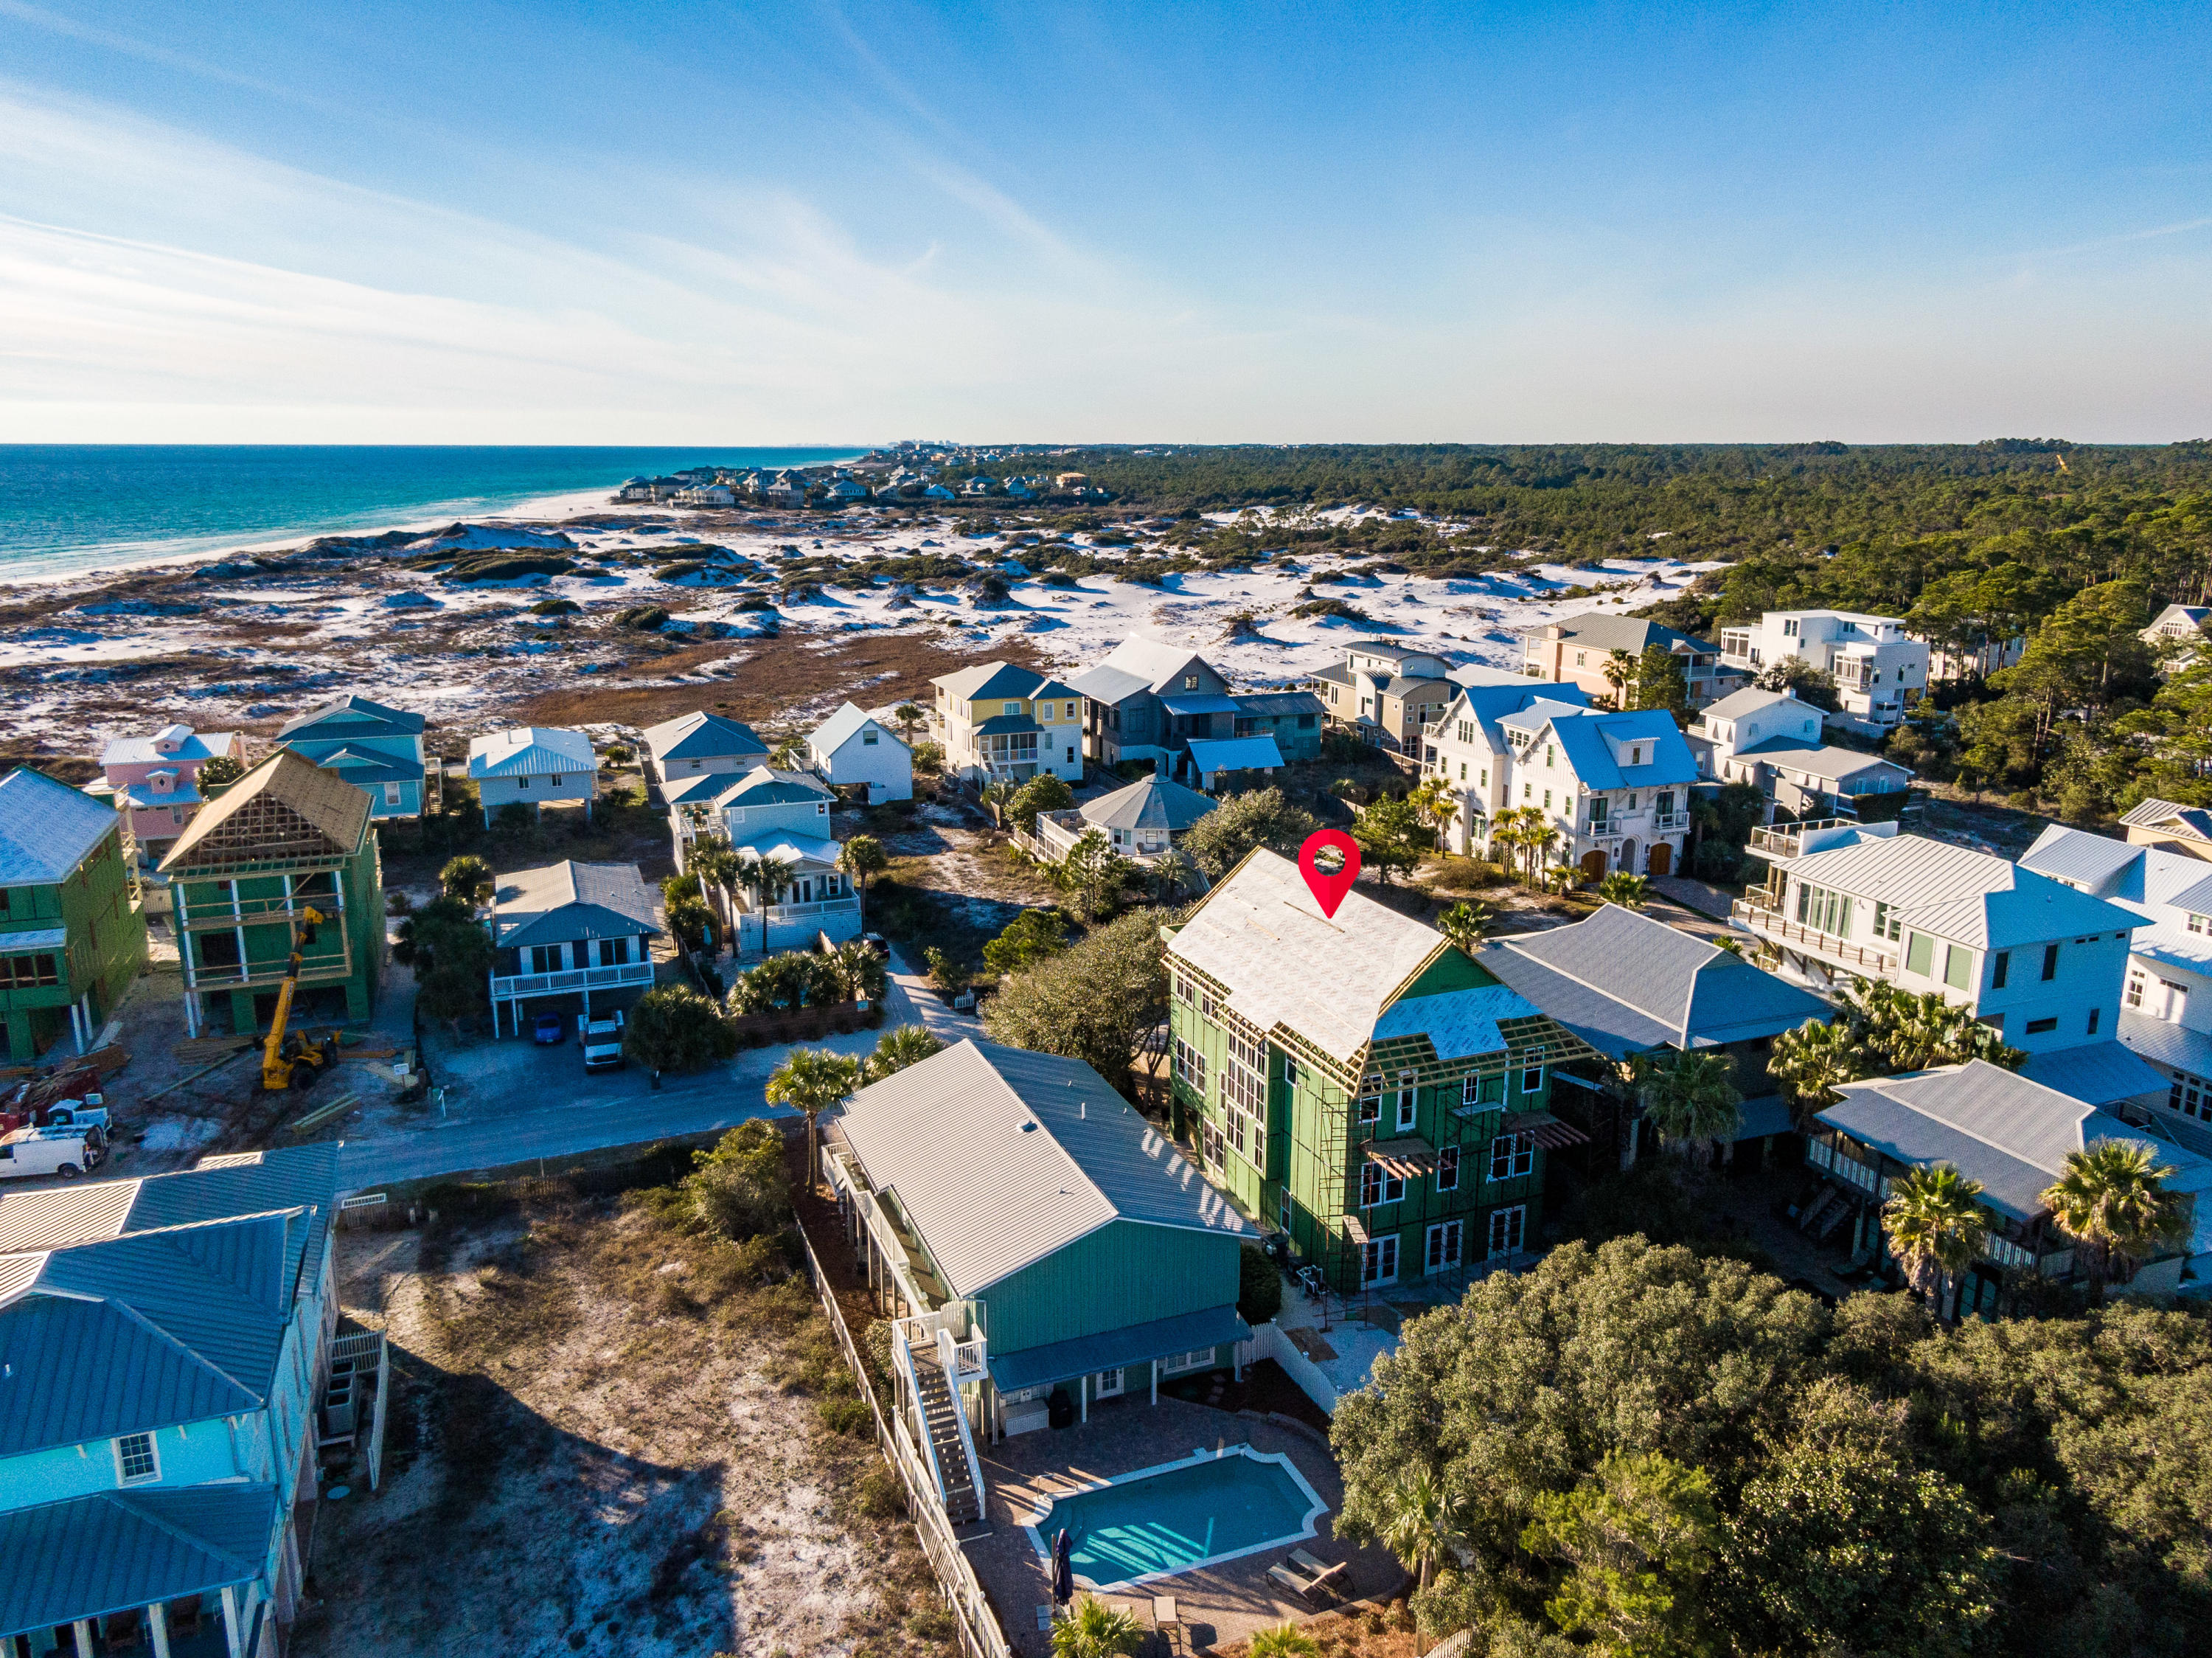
(1179, 1517)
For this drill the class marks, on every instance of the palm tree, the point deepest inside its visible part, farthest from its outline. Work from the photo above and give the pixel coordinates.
(2112, 1201)
(998, 795)
(1538, 835)
(767, 879)
(1465, 924)
(1630, 892)
(467, 877)
(1094, 1630)
(1937, 1226)
(1690, 1101)
(716, 866)
(1561, 878)
(812, 1080)
(898, 1048)
(908, 716)
(1437, 804)
(1619, 670)
(863, 857)
(1422, 1521)
(1283, 1641)
(1810, 1061)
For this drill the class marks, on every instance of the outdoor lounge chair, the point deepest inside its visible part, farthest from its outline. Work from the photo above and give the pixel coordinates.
(1168, 1621)
(1308, 1590)
(1323, 1574)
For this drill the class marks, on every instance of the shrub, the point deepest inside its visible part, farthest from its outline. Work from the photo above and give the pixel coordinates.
(878, 1495)
(556, 607)
(846, 1416)
(642, 618)
(738, 1190)
(1259, 1286)
(674, 1028)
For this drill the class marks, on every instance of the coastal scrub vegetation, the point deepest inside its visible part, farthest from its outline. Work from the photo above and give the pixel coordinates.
(1656, 1450)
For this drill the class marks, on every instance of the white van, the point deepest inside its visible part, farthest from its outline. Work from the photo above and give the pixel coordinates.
(29, 1153)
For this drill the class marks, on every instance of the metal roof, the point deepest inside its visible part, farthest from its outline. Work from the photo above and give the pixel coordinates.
(841, 727)
(1598, 629)
(1155, 664)
(1582, 734)
(2174, 1047)
(1152, 802)
(1103, 683)
(1111, 1350)
(355, 717)
(567, 902)
(1262, 936)
(1488, 704)
(2097, 1073)
(46, 828)
(2010, 1133)
(1200, 702)
(700, 735)
(1215, 755)
(1626, 982)
(115, 1551)
(786, 846)
(988, 679)
(764, 785)
(2091, 862)
(1826, 760)
(998, 1157)
(2186, 822)
(141, 751)
(530, 749)
(1965, 896)
(1750, 700)
(1275, 703)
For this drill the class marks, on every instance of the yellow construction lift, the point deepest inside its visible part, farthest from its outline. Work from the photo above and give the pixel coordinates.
(290, 1061)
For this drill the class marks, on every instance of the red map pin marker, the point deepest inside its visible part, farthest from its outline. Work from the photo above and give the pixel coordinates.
(1328, 889)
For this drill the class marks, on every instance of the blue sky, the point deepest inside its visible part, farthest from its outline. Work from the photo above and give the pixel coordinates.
(689, 222)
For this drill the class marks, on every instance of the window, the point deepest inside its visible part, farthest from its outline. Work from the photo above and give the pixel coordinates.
(1408, 1100)
(1512, 1156)
(1547, 799)
(1370, 1097)
(2135, 989)
(1481, 1091)
(1448, 1169)
(1547, 756)
(1444, 1246)
(1885, 922)
(23, 972)
(1532, 1079)
(1190, 682)
(1290, 1072)
(1209, 1142)
(1244, 1091)
(868, 737)
(1920, 954)
(1182, 991)
(1190, 1066)
(390, 796)
(2095, 1014)
(1484, 778)
(1378, 1184)
(1636, 756)
(2037, 1027)
(1199, 1358)
(1378, 1263)
(2197, 923)
(1957, 967)
(1508, 1227)
(136, 1461)
(2049, 962)
(1823, 910)
(1010, 708)
(1999, 964)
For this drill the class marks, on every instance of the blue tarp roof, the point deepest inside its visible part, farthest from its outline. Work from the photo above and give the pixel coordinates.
(1136, 1343)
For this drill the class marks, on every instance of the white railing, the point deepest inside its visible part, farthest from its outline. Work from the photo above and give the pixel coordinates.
(572, 979)
(903, 1356)
(818, 907)
(1670, 822)
(949, 1356)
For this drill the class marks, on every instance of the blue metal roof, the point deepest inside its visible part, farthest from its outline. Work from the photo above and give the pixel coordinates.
(114, 1550)
(1136, 1343)
(2097, 1073)
(1234, 753)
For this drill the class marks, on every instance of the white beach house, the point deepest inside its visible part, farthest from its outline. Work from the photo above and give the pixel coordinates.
(533, 766)
(852, 748)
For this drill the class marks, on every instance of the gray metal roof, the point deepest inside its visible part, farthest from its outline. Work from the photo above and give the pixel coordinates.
(1198, 702)
(568, 902)
(1103, 684)
(2097, 1073)
(1598, 629)
(988, 679)
(701, 735)
(843, 726)
(46, 828)
(2185, 822)
(2174, 1047)
(1749, 700)
(2092, 862)
(1968, 897)
(1275, 703)
(1152, 802)
(2010, 1133)
(1154, 664)
(1626, 982)
(1260, 934)
(998, 1157)
(114, 1550)
(1827, 761)
(133, 1333)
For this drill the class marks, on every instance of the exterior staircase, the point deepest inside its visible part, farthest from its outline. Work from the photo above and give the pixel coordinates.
(940, 1411)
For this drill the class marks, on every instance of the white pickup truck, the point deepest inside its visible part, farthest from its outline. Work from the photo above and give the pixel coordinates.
(601, 1040)
(27, 1153)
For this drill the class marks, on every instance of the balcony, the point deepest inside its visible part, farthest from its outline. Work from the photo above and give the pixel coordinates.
(1784, 839)
(572, 979)
(231, 911)
(1668, 823)
(1758, 915)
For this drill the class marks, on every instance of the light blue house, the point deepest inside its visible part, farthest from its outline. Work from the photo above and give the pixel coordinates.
(376, 749)
(163, 1342)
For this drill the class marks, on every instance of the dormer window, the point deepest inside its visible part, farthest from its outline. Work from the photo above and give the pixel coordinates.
(1636, 755)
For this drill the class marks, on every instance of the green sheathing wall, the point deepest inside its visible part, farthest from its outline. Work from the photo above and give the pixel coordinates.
(267, 942)
(1452, 970)
(1124, 1273)
(106, 947)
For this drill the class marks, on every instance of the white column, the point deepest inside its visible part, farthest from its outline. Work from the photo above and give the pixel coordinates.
(83, 1629)
(232, 1636)
(157, 1616)
(1082, 1393)
(1154, 1367)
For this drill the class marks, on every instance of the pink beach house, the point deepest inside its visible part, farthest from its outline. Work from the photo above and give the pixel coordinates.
(155, 780)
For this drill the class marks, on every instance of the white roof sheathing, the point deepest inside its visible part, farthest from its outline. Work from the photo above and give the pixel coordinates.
(46, 828)
(998, 1157)
(1262, 935)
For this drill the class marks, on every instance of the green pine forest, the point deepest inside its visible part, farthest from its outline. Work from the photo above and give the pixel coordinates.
(2074, 547)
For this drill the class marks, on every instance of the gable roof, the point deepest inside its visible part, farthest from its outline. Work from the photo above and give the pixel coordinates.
(1151, 664)
(764, 785)
(2164, 888)
(1212, 754)
(2011, 1134)
(567, 902)
(1262, 936)
(354, 717)
(700, 735)
(111, 1551)
(1626, 982)
(1749, 700)
(1606, 631)
(1830, 762)
(530, 749)
(1583, 734)
(2183, 822)
(998, 1157)
(1152, 802)
(47, 828)
(1967, 897)
(841, 727)
(1486, 705)
(287, 807)
(143, 751)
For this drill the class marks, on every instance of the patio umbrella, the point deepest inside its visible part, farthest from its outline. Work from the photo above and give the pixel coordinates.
(1063, 1568)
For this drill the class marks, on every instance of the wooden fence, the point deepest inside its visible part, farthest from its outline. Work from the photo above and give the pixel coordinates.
(980, 1634)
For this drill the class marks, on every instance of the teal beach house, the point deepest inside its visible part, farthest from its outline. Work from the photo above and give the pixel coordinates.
(378, 750)
(1043, 1250)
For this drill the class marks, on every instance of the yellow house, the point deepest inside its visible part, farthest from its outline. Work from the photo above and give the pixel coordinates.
(1001, 721)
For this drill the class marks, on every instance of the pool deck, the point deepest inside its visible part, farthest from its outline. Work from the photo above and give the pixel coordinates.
(1219, 1604)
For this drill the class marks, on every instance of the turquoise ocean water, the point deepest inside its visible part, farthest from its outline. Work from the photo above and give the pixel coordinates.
(65, 509)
